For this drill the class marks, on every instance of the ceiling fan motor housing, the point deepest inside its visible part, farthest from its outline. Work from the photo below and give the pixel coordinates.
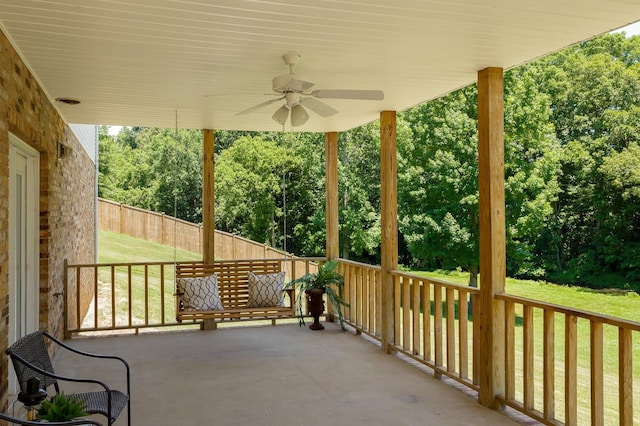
(288, 83)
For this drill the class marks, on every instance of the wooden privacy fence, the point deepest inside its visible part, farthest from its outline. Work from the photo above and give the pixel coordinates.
(163, 229)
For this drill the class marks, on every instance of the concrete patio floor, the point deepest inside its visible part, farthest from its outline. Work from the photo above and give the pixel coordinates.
(282, 375)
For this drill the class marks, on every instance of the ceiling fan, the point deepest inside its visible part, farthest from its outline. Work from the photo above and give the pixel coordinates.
(297, 95)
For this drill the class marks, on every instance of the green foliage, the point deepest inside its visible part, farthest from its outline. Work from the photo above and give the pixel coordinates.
(61, 407)
(158, 168)
(327, 279)
(359, 191)
(249, 179)
(437, 183)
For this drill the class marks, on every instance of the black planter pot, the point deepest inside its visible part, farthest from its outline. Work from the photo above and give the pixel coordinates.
(315, 303)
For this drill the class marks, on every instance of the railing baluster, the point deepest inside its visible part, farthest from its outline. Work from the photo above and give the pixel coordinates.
(366, 299)
(475, 311)
(451, 330)
(163, 317)
(113, 296)
(571, 370)
(95, 297)
(129, 294)
(597, 374)
(396, 308)
(549, 362)
(358, 297)
(146, 294)
(528, 357)
(378, 286)
(426, 315)
(406, 314)
(510, 350)
(463, 333)
(625, 383)
(437, 327)
(415, 307)
(78, 297)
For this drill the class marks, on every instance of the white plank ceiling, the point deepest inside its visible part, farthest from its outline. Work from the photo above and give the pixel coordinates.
(138, 62)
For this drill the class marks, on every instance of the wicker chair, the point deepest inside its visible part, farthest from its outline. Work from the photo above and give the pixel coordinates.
(31, 359)
(78, 422)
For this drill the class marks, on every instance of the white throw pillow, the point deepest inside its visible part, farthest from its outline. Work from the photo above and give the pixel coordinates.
(265, 290)
(200, 293)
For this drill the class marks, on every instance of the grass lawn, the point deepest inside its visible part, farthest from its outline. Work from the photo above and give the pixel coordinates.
(619, 305)
(113, 247)
(119, 248)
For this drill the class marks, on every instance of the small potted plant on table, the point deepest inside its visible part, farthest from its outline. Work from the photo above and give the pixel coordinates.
(61, 408)
(313, 286)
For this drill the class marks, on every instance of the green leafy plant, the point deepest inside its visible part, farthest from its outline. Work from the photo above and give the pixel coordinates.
(327, 279)
(61, 407)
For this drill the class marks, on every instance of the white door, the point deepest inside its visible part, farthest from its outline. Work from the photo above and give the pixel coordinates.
(23, 242)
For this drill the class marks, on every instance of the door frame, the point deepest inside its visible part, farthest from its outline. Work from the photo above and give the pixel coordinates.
(26, 241)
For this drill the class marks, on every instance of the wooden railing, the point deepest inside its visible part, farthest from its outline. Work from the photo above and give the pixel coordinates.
(545, 378)
(562, 366)
(571, 367)
(432, 318)
(433, 325)
(133, 296)
(362, 292)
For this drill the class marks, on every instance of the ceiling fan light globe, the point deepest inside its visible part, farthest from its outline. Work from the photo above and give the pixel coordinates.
(299, 116)
(281, 115)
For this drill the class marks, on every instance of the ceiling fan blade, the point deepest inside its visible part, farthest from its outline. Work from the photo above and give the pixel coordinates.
(319, 107)
(367, 95)
(299, 115)
(259, 106)
(281, 115)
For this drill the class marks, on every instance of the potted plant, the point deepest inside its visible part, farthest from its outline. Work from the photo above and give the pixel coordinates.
(61, 408)
(313, 286)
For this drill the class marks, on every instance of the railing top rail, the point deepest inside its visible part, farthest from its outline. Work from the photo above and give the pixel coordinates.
(364, 265)
(591, 316)
(461, 287)
(171, 262)
(95, 265)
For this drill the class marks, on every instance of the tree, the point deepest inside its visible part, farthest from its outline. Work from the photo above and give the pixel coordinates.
(437, 184)
(594, 90)
(248, 187)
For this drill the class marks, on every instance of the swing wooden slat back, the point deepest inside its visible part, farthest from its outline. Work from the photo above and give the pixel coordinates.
(233, 286)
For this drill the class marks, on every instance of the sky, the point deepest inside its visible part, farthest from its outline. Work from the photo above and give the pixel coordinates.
(633, 29)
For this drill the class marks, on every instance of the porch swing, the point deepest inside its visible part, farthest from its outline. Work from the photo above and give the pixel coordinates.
(230, 290)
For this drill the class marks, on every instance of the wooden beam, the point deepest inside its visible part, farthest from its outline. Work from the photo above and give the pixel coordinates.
(208, 198)
(331, 189)
(389, 222)
(492, 233)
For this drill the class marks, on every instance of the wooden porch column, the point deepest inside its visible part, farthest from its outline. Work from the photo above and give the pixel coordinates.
(492, 233)
(331, 188)
(208, 201)
(388, 222)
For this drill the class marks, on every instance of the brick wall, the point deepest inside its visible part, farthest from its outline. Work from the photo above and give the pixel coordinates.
(67, 198)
